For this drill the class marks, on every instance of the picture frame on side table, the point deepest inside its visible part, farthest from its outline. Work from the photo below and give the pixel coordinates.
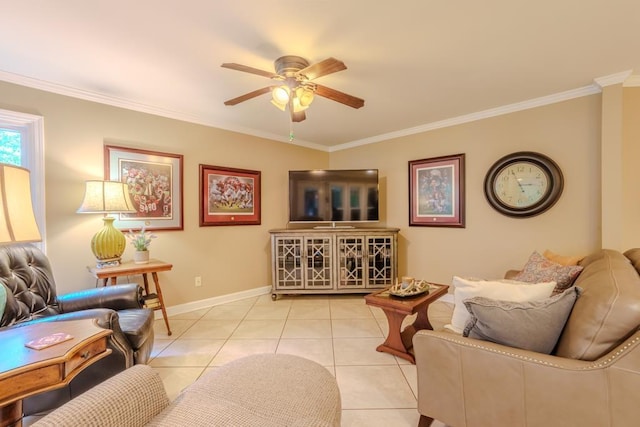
(436, 192)
(229, 196)
(155, 182)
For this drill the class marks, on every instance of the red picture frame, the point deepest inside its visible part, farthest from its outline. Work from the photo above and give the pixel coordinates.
(229, 196)
(436, 192)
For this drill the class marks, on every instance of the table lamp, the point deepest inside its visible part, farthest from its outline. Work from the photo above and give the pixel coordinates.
(17, 220)
(107, 197)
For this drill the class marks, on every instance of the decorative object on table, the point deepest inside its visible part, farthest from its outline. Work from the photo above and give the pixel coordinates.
(106, 197)
(17, 220)
(409, 287)
(141, 241)
(154, 181)
(49, 340)
(436, 191)
(229, 196)
(523, 184)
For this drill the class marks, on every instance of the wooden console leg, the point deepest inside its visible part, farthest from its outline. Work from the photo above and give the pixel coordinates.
(11, 414)
(425, 421)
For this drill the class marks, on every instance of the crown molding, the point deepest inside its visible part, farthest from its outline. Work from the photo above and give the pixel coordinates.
(624, 77)
(481, 115)
(143, 108)
(612, 79)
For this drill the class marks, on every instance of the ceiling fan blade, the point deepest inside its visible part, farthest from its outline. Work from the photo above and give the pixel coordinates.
(298, 117)
(322, 68)
(248, 96)
(247, 69)
(341, 97)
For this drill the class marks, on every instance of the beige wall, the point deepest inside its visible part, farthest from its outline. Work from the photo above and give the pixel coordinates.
(568, 132)
(232, 259)
(631, 170)
(229, 259)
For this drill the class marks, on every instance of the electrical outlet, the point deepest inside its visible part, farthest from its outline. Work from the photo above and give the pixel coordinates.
(198, 281)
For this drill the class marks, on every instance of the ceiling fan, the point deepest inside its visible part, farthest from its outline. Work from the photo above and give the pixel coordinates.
(295, 88)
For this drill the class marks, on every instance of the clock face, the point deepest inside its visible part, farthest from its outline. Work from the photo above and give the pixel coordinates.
(523, 184)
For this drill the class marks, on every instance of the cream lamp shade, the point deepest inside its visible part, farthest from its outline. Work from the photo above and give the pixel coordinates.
(17, 220)
(107, 197)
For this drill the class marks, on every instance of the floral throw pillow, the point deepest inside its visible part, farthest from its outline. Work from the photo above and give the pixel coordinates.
(540, 269)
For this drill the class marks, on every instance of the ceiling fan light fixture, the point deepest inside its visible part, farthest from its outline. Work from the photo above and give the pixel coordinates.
(296, 89)
(279, 106)
(280, 94)
(304, 96)
(296, 106)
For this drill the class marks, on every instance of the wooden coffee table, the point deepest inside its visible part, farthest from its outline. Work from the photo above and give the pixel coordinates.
(399, 343)
(25, 372)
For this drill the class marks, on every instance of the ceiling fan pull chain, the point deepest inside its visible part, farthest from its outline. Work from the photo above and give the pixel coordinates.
(290, 129)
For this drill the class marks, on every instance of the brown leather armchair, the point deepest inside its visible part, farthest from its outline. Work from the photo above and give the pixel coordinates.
(592, 378)
(26, 274)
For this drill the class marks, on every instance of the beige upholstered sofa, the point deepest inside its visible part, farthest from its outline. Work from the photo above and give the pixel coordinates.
(592, 378)
(263, 390)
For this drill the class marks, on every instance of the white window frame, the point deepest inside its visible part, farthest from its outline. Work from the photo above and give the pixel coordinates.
(31, 128)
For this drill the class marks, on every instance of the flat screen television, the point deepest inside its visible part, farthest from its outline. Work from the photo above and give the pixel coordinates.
(335, 196)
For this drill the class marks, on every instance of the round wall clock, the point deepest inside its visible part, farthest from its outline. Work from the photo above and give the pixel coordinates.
(523, 184)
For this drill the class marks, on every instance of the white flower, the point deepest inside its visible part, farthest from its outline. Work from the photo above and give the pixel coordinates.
(140, 240)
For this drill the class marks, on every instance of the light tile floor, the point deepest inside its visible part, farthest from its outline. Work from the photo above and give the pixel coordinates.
(339, 332)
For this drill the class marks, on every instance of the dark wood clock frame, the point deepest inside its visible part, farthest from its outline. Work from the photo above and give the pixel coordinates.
(551, 196)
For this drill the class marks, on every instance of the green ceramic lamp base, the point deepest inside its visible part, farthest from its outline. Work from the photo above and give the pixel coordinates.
(108, 244)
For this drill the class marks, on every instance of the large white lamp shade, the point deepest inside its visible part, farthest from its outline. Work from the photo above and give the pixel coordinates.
(17, 220)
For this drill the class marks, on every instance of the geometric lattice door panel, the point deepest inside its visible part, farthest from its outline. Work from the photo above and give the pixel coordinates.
(380, 261)
(319, 267)
(288, 253)
(332, 260)
(351, 255)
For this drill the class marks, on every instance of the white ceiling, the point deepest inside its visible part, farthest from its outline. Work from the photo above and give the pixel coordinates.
(417, 63)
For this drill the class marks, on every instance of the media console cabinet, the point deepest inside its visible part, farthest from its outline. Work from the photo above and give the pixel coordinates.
(333, 260)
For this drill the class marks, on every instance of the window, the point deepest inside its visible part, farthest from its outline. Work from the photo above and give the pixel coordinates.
(22, 144)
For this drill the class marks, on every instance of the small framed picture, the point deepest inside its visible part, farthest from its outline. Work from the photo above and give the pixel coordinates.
(436, 192)
(154, 181)
(229, 196)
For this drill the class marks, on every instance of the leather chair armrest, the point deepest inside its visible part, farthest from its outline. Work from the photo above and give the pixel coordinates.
(116, 297)
(105, 318)
(463, 378)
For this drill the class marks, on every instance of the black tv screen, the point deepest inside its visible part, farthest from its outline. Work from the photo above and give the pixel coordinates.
(349, 195)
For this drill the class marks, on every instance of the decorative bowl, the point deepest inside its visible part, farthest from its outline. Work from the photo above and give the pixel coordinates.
(404, 289)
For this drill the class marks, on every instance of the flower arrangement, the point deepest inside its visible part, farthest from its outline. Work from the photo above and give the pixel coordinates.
(140, 240)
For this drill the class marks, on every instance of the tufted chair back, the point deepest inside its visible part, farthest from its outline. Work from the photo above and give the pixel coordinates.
(26, 274)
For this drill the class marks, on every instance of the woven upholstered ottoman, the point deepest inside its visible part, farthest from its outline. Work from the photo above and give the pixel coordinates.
(264, 390)
(261, 390)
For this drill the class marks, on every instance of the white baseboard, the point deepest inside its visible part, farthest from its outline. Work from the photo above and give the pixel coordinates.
(210, 302)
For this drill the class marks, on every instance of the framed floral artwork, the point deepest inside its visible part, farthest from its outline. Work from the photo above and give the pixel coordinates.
(436, 192)
(229, 196)
(154, 181)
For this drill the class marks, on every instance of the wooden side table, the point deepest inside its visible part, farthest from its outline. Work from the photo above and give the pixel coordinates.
(399, 343)
(129, 268)
(25, 371)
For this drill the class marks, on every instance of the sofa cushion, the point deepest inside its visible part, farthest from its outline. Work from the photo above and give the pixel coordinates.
(534, 325)
(507, 290)
(607, 312)
(541, 269)
(562, 259)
